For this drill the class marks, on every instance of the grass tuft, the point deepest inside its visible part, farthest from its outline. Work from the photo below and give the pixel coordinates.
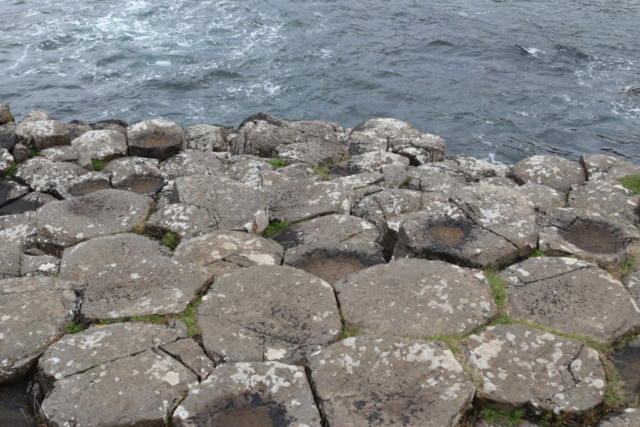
(276, 227)
(349, 331)
(190, 317)
(12, 170)
(98, 165)
(33, 152)
(498, 287)
(171, 240)
(504, 418)
(537, 254)
(72, 328)
(631, 182)
(323, 171)
(277, 163)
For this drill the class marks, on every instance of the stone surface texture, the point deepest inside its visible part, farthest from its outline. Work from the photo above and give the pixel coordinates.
(555, 172)
(158, 139)
(101, 144)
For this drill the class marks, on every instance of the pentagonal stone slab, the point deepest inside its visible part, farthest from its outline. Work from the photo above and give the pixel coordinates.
(261, 134)
(585, 234)
(416, 298)
(609, 199)
(222, 252)
(184, 220)
(80, 352)
(206, 138)
(232, 205)
(10, 191)
(268, 313)
(33, 312)
(135, 174)
(376, 381)
(61, 153)
(334, 260)
(250, 394)
(42, 134)
(543, 197)
(628, 418)
(66, 223)
(139, 390)
(41, 174)
(158, 139)
(191, 163)
(101, 144)
(524, 366)
(324, 228)
(571, 296)
(555, 172)
(627, 363)
(296, 201)
(384, 205)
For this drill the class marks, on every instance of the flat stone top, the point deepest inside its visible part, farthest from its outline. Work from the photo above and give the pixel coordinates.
(417, 298)
(571, 296)
(20, 285)
(328, 227)
(556, 172)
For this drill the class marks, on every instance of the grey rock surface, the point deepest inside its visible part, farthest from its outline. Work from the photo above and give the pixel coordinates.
(21, 153)
(34, 311)
(42, 134)
(10, 190)
(543, 197)
(101, 144)
(627, 363)
(136, 174)
(250, 394)
(105, 212)
(571, 296)
(84, 184)
(297, 201)
(6, 161)
(184, 220)
(35, 116)
(523, 366)
(206, 138)
(28, 203)
(381, 381)
(61, 153)
(271, 313)
(439, 179)
(8, 135)
(416, 298)
(607, 198)
(632, 283)
(41, 174)
(384, 205)
(5, 114)
(191, 355)
(371, 161)
(628, 418)
(158, 139)
(191, 163)
(312, 153)
(555, 172)
(42, 265)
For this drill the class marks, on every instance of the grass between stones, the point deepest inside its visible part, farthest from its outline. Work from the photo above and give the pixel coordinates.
(537, 254)
(72, 328)
(631, 182)
(323, 171)
(12, 170)
(98, 165)
(276, 227)
(171, 240)
(33, 152)
(503, 418)
(277, 163)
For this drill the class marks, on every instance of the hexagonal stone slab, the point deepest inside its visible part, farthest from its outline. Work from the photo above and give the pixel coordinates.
(33, 312)
(222, 252)
(324, 228)
(416, 298)
(101, 144)
(250, 394)
(268, 313)
(66, 223)
(376, 381)
(555, 172)
(384, 205)
(139, 390)
(42, 134)
(571, 296)
(231, 205)
(523, 366)
(135, 174)
(585, 234)
(608, 198)
(628, 418)
(297, 201)
(157, 139)
(206, 138)
(191, 163)
(41, 174)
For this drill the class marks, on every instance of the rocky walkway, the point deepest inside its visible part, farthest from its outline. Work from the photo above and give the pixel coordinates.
(296, 273)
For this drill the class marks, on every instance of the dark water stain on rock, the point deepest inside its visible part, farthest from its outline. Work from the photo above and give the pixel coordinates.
(14, 407)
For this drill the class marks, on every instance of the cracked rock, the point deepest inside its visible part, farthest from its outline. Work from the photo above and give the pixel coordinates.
(135, 174)
(157, 139)
(598, 167)
(222, 252)
(42, 134)
(587, 235)
(378, 381)
(34, 311)
(608, 198)
(84, 184)
(296, 201)
(571, 296)
(522, 366)
(206, 138)
(191, 355)
(384, 205)
(250, 394)
(416, 298)
(270, 313)
(104, 212)
(101, 144)
(312, 153)
(439, 179)
(555, 172)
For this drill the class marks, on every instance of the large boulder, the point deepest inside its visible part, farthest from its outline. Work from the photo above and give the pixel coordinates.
(522, 366)
(5, 114)
(269, 313)
(555, 172)
(42, 134)
(41, 174)
(34, 311)
(230, 205)
(296, 201)
(607, 198)
(206, 138)
(158, 139)
(135, 174)
(222, 252)
(416, 298)
(571, 296)
(382, 381)
(101, 144)
(66, 223)
(250, 394)
(398, 137)
(262, 133)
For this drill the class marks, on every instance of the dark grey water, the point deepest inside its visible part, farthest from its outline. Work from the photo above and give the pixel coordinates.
(497, 79)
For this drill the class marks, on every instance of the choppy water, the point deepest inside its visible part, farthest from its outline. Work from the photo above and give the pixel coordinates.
(497, 79)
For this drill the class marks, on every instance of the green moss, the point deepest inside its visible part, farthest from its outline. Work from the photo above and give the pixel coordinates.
(72, 328)
(323, 171)
(171, 240)
(349, 331)
(98, 165)
(497, 289)
(12, 170)
(537, 254)
(33, 152)
(504, 418)
(277, 163)
(111, 321)
(190, 317)
(631, 182)
(276, 227)
(158, 320)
